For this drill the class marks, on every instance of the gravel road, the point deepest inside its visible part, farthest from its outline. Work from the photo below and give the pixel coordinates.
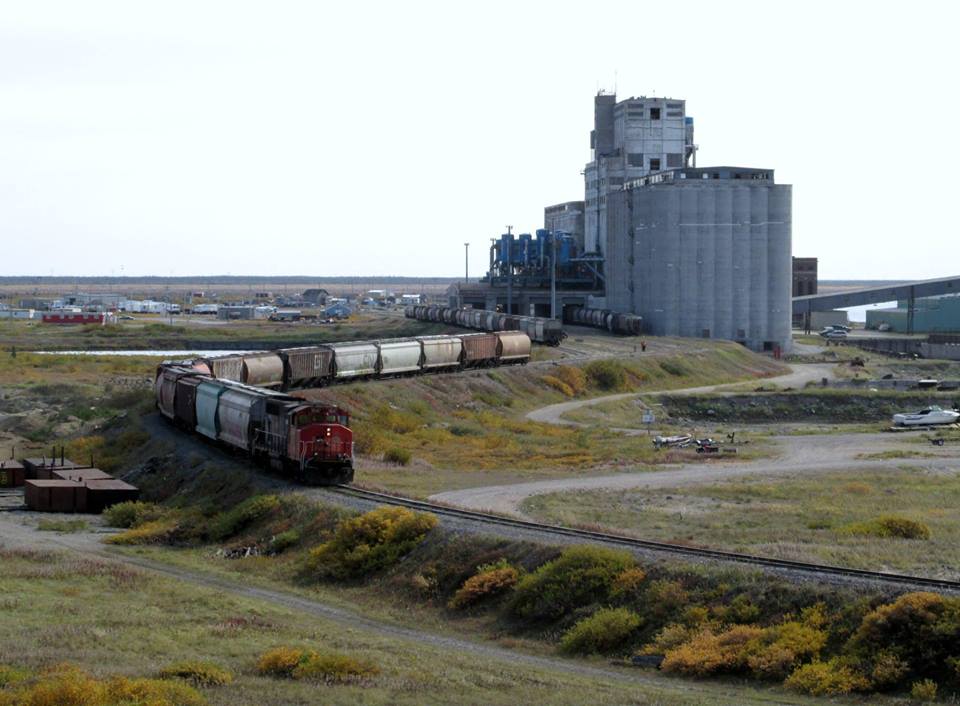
(799, 376)
(794, 454)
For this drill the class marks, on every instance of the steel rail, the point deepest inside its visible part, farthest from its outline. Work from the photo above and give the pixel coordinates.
(651, 545)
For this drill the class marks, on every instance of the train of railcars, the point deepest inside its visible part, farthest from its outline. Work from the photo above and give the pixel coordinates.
(626, 324)
(309, 441)
(540, 330)
(321, 365)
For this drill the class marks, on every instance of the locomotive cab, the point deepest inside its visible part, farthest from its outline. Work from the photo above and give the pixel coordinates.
(322, 442)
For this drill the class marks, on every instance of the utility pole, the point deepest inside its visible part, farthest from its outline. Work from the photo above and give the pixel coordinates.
(466, 266)
(508, 259)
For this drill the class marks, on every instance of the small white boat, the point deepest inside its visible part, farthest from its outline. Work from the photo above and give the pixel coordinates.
(926, 417)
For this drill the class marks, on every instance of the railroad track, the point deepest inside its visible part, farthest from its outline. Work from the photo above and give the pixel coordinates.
(813, 570)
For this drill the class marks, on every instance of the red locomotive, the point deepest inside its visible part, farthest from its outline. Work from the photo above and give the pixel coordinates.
(310, 441)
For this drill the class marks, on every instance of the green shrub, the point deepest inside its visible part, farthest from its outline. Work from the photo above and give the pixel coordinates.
(490, 580)
(198, 673)
(370, 542)
(833, 678)
(605, 631)
(606, 374)
(386, 417)
(284, 541)
(131, 513)
(333, 668)
(921, 629)
(11, 675)
(890, 526)
(925, 690)
(582, 575)
(228, 524)
(674, 367)
(399, 456)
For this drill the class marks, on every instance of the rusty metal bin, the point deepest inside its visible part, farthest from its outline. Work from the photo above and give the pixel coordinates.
(54, 495)
(43, 468)
(101, 494)
(81, 475)
(11, 474)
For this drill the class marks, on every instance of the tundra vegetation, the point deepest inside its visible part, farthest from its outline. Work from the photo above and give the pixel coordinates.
(586, 600)
(903, 518)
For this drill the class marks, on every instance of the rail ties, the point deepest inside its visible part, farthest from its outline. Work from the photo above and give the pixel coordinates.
(651, 545)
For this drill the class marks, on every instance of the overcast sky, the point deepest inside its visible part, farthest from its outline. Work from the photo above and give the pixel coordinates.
(376, 138)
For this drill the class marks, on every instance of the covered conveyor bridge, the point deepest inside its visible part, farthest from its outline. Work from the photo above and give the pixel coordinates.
(905, 291)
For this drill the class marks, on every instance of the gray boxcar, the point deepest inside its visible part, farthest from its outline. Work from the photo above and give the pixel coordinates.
(400, 357)
(441, 351)
(306, 366)
(355, 359)
(263, 370)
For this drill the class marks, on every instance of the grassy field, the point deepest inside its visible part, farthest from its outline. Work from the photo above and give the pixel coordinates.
(469, 429)
(146, 333)
(113, 620)
(809, 519)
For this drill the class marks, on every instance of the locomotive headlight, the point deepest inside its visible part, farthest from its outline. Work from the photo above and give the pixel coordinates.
(328, 432)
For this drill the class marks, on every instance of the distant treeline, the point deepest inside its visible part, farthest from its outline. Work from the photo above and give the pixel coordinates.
(226, 279)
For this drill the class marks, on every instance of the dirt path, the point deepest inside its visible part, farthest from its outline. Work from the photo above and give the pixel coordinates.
(15, 534)
(799, 376)
(797, 454)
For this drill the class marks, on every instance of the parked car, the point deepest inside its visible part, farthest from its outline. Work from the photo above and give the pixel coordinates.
(926, 417)
(831, 333)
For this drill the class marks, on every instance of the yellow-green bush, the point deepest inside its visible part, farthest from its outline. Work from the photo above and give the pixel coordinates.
(198, 673)
(66, 685)
(370, 542)
(334, 668)
(629, 583)
(709, 652)
(890, 526)
(490, 580)
(132, 513)
(921, 629)
(606, 374)
(580, 576)
(605, 631)
(574, 378)
(783, 647)
(832, 678)
(294, 663)
(396, 421)
(280, 661)
(924, 690)
(399, 456)
(155, 532)
(559, 385)
(11, 675)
